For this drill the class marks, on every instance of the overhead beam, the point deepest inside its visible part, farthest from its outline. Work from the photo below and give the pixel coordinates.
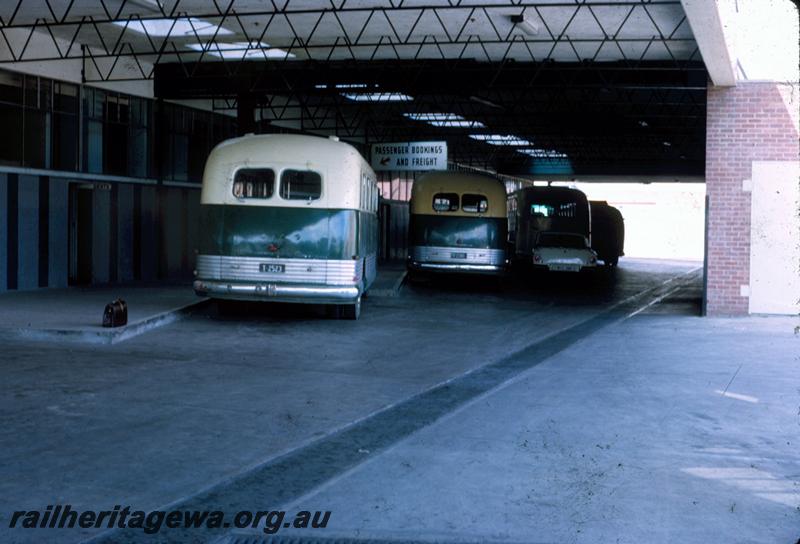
(218, 79)
(709, 33)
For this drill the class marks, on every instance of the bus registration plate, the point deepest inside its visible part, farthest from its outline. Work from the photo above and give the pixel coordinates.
(458, 255)
(565, 267)
(271, 268)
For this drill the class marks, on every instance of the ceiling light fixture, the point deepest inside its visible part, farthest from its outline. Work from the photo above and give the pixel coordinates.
(524, 24)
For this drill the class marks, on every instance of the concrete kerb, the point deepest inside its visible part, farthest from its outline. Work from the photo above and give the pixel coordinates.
(393, 291)
(111, 335)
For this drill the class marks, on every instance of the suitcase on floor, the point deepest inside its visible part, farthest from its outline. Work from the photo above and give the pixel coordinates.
(115, 314)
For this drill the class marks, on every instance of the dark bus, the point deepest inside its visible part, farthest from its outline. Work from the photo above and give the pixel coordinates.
(608, 232)
(552, 228)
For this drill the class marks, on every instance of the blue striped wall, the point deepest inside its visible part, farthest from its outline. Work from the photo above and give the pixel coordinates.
(3, 233)
(139, 232)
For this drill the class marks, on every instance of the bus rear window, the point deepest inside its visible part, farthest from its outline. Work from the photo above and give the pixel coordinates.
(445, 202)
(300, 185)
(565, 209)
(254, 183)
(474, 203)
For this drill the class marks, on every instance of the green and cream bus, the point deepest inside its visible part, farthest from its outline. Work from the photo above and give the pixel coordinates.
(458, 224)
(288, 218)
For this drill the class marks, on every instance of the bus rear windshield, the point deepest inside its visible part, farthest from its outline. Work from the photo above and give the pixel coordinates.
(445, 202)
(254, 183)
(474, 203)
(556, 209)
(300, 185)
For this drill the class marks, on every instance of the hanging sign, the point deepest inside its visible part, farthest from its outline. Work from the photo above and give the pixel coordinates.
(410, 156)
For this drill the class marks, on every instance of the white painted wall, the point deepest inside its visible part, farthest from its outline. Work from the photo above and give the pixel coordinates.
(765, 36)
(775, 238)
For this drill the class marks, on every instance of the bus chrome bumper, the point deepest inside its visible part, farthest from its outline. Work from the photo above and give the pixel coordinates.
(277, 292)
(457, 259)
(444, 267)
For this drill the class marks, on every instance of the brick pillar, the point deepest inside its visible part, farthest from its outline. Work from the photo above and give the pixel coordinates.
(749, 122)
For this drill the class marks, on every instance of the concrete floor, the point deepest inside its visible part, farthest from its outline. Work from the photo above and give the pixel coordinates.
(662, 428)
(207, 403)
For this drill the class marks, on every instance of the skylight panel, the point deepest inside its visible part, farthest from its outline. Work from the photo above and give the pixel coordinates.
(444, 120)
(501, 139)
(378, 97)
(174, 27)
(544, 153)
(242, 50)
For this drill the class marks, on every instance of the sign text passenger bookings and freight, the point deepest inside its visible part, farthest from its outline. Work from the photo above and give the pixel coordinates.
(405, 156)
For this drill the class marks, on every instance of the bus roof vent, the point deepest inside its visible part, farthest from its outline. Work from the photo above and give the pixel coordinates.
(333, 137)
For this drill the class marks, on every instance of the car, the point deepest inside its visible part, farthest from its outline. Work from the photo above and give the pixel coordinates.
(563, 252)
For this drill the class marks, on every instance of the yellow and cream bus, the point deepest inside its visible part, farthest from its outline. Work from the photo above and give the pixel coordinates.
(458, 223)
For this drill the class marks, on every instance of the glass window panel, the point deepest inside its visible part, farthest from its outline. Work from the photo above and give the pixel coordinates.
(10, 141)
(300, 185)
(35, 139)
(474, 203)
(254, 183)
(445, 202)
(65, 141)
(11, 88)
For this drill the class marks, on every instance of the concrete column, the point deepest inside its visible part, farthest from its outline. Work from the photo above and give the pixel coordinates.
(3, 233)
(149, 234)
(173, 231)
(58, 233)
(747, 123)
(245, 113)
(28, 263)
(192, 226)
(101, 235)
(125, 233)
